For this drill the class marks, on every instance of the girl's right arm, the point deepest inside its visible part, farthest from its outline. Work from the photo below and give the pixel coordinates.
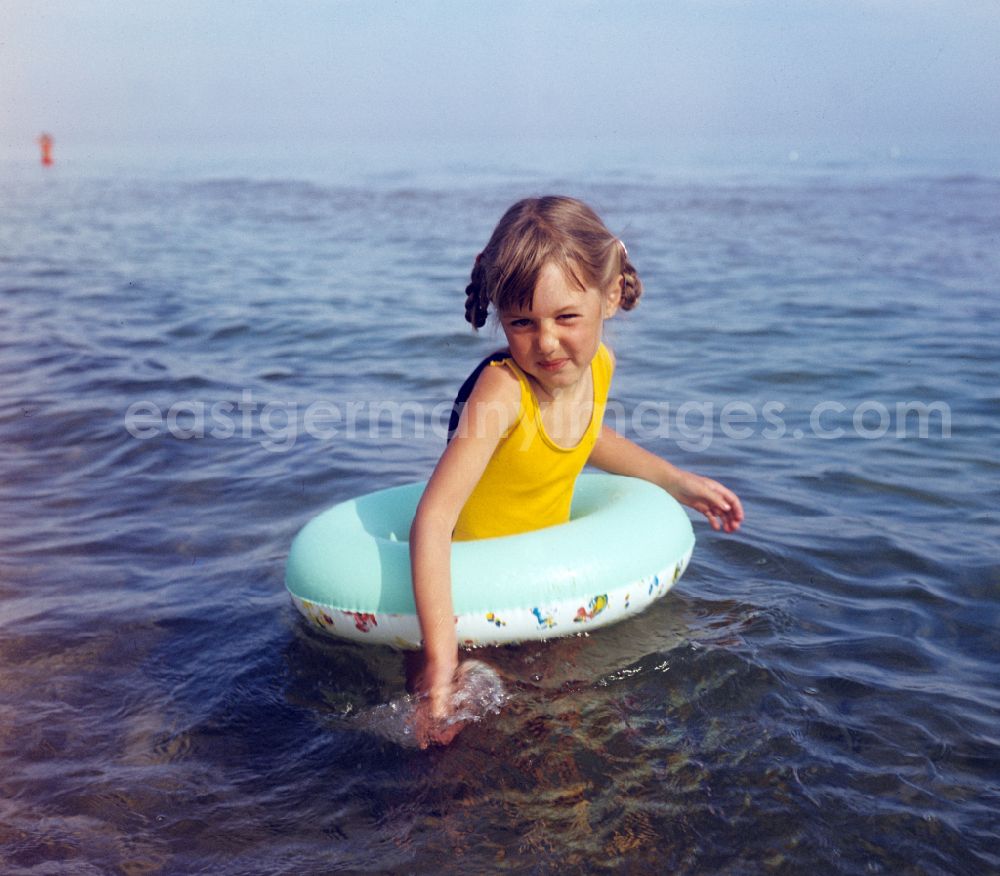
(491, 410)
(616, 454)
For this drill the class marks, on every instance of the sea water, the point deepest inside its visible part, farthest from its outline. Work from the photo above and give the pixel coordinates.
(200, 354)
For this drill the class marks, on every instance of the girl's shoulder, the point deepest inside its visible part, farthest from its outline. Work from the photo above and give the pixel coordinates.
(493, 406)
(497, 383)
(493, 390)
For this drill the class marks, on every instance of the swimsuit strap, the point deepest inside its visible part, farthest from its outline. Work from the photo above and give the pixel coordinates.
(466, 389)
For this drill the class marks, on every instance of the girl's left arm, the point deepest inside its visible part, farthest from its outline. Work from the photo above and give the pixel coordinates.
(616, 454)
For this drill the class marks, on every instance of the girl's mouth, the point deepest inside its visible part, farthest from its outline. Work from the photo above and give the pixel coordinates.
(554, 365)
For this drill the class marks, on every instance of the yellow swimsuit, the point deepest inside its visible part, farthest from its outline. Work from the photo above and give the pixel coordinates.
(528, 482)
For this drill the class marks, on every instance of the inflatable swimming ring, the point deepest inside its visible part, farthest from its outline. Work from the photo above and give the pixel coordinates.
(626, 544)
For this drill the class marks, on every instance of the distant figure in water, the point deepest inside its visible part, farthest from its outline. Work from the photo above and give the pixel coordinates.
(45, 141)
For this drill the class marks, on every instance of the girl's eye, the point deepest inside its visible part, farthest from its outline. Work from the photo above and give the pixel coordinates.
(566, 317)
(520, 322)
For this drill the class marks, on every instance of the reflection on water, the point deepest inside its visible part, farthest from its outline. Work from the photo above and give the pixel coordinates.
(817, 693)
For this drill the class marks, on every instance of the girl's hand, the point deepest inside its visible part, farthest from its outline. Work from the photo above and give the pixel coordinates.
(437, 683)
(718, 503)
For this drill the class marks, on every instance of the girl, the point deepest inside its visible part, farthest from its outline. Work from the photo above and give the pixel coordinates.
(533, 413)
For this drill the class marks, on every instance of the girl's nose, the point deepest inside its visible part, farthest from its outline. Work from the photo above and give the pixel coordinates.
(547, 340)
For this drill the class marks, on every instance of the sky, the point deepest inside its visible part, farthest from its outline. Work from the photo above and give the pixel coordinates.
(885, 72)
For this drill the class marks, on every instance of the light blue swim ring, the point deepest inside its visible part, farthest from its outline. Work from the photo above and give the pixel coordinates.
(626, 544)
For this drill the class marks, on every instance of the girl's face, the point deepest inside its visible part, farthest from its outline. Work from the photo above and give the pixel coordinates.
(555, 340)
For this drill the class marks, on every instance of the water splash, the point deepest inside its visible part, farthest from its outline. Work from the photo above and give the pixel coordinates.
(479, 692)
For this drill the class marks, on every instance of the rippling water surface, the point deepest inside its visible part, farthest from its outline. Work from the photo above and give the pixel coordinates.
(820, 693)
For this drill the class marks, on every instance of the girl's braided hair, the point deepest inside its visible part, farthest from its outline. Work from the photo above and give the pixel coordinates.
(536, 231)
